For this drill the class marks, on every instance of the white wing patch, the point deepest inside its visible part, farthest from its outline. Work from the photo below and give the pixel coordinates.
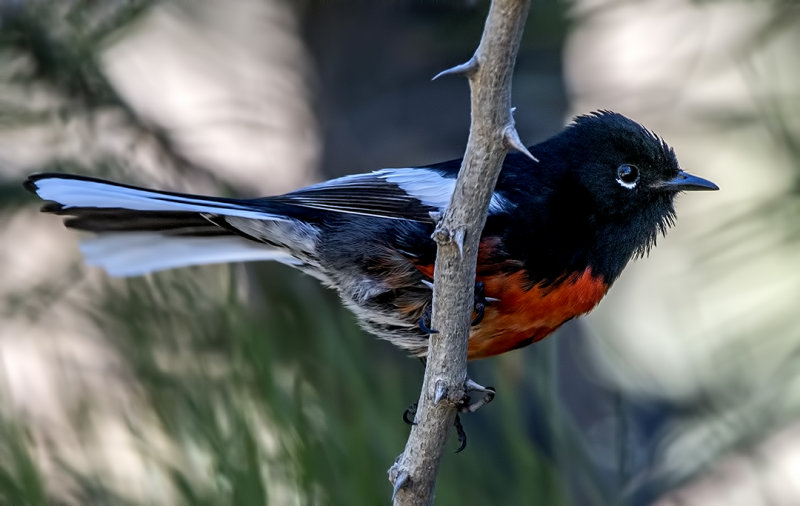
(431, 187)
(427, 186)
(71, 192)
(403, 193)
(136, 253)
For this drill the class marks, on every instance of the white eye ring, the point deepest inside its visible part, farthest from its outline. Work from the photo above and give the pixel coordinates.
(628, 175)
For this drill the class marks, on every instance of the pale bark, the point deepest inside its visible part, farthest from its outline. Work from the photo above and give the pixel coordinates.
(492, 133)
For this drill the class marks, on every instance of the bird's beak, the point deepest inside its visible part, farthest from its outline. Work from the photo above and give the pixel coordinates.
(687, 182)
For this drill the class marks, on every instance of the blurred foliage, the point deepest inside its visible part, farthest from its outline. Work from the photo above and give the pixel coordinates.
(291, 393)
(62, 41)
(21, 482)
(54, 48)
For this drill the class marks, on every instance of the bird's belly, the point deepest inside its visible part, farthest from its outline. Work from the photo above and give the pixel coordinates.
(522, 317)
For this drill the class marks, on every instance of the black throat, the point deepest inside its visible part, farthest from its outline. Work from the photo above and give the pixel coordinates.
(560, 232)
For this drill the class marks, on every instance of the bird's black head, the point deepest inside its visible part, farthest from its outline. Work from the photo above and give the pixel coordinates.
(628, 178)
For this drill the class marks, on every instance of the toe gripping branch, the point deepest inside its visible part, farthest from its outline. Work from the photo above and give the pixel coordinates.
(465, 406)
(480, 303)
(481, 300)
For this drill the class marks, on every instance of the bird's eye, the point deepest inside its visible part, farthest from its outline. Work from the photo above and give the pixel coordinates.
(628, 175)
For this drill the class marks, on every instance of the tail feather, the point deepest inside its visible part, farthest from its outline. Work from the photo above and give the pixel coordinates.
(71, 191)
(97, 220)
(137, 253)
(140, 231)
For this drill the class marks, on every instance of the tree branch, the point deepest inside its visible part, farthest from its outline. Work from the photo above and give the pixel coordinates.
(492, 133)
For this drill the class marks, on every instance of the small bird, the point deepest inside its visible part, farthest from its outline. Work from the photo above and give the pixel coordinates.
(558, 232)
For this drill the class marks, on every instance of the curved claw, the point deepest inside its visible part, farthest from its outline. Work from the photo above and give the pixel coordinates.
(480, 303)
(462, 435)
(424, 326)
(480, 310)
(408, 414)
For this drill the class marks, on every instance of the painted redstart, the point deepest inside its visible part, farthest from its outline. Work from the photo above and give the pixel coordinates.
(557, 235)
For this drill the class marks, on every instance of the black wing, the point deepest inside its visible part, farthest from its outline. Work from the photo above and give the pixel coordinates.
(404, 194)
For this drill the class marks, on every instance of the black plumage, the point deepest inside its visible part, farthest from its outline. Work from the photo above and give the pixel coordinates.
(557, 235)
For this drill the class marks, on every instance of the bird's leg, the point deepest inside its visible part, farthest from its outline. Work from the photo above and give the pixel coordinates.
(481, 300)
(466, 406)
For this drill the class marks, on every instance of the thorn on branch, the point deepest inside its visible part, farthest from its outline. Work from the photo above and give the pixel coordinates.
(440, 391)
(401, 481)
(467, 68)
(458, 238)
(512, 140)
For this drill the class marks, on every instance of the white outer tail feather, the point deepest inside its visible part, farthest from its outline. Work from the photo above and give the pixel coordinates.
(136, 253)
(124, 254)
(70, 192)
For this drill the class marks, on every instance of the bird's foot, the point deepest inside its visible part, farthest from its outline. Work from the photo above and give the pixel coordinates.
(461, 433)
(409, 413)
(466, 405)
(425, 322)
(481, 301)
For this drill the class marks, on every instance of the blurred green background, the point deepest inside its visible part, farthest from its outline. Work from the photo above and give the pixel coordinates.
(250, 384)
